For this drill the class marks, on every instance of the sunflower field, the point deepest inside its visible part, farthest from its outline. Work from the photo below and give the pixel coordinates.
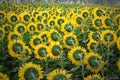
(50, 41)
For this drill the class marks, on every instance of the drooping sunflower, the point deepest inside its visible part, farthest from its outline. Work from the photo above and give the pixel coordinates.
(76, 55)
(45, 35)
(94, 36)
(35, 41)
(54, 35)
(94, 77)
(16, 48)
(13, 17)
(31, 28)
(26, 54)
(70, 40)
(118, 64)
(34, 13)
(45, 14)
(93, 62)
(40, 26)
(98, 12)
(67, 28)
(2, 34)
(78, 20)
(39, 17)
(59, 74)
(107, 22)
(25, 17)
(2, 16)
(41, 52)
(44, 20)
(59, 21)
(3, 76)
(92, 45)
(108, 37)
(97, 23)
(85, 13)
(20, 28)
(55, 49)
(51, 22)
(117, 19)
(7, 27)
(14, 36)
(118, 43)
(30, 71)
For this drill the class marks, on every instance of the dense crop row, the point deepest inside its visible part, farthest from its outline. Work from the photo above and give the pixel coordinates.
(59, 42)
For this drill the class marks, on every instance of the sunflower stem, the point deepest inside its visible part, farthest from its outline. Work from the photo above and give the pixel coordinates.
(61, 58)
(100, 67)
(108, 52)
(46, 61)
(81, 60)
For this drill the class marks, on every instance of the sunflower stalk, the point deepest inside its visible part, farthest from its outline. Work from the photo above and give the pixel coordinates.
(81, 60)
(100, 67)
(108, 52)
(61, 58)
(46, 61)
(22, 57)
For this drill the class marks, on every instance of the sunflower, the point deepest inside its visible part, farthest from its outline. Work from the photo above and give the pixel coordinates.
(108, 37)
(78, 20)
(35, 41)
(118, 64)
(59, 74)
(67, 28)
(97, 23)
(45, 35)
(12, 17)
(54, 35)
(20, 28)
(98, 12)
(108, 22)
(94, 77)
(7, 27)
(26, 54)
(117, 19)
(3, 76)
(59, 21)
(14, 36)
(39, 17)
(41, 52)
(85, 13)
(70, 40)
(118, 43)
(55, 49)
(45, 14)
(2, 16)
(30, 71)
(93, 62)
(2, 34)
(76, 55)
(44, 20)
(34, 13)
(25, 17)
(40, 26)
(16, 48)
(51, 22)
(118, 31)
(31, 28)
(94, 36)
(92, 45)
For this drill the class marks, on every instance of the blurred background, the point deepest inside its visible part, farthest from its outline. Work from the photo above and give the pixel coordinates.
(104, 2)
